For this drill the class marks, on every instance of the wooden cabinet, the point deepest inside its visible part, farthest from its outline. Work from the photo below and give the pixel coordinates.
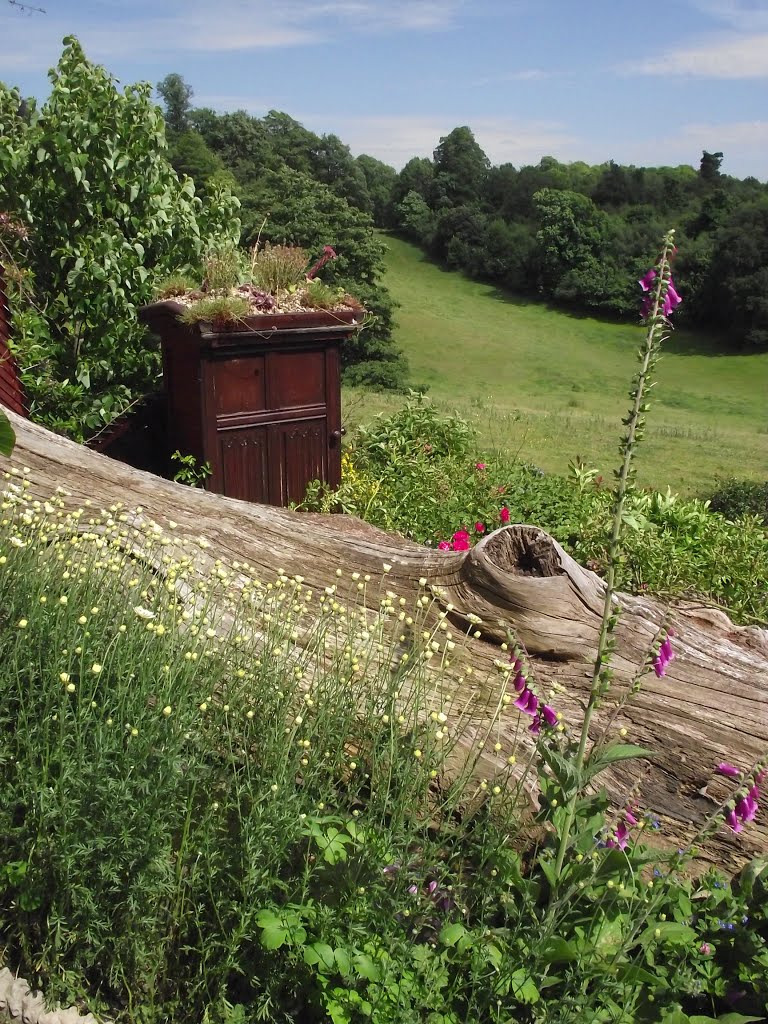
(261, 403)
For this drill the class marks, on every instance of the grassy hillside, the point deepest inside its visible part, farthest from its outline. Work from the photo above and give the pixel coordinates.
(550, 385)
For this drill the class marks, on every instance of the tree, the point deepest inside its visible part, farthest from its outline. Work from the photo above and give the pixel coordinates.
(176, 95)
(190, 156)
(709, 168)
(415, 219)
(418, 175)
(571, 234)
(107, 216)
(334, 166)
(380, 179)
(738, 282)
(287, 206)
(461, 169)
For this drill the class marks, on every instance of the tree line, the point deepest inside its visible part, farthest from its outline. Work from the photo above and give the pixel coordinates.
(574, 234)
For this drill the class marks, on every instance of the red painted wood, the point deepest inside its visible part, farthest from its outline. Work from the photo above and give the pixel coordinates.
(261, 403)
(11, 391)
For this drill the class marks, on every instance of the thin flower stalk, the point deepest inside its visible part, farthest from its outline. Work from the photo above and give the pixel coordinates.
(658, 287)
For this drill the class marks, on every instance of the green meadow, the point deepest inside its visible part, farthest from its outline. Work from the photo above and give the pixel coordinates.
(550, 386)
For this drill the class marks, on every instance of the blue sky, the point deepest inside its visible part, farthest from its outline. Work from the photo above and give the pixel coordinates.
(636, 82)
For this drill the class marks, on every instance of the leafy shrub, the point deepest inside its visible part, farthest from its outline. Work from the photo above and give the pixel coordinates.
(106, 216)
(734, 498)
(413, 472)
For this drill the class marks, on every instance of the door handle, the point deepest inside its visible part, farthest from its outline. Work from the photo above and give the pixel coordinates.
(336, 435)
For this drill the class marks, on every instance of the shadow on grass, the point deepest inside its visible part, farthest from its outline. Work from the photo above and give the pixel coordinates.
(683, 342)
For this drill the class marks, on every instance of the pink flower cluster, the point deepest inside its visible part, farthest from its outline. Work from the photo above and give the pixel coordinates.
(665, 655)
(527, 701)
(671, 300)
(746, 806)
(462, 539)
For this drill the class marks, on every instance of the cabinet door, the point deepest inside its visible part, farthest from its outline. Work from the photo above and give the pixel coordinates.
(298, 453)
(243, 455)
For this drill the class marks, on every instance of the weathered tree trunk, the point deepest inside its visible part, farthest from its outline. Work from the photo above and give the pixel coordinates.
(711, 705)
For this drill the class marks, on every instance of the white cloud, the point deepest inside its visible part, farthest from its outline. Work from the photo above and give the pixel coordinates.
(742, 56)
(742, 15)
(226, 26)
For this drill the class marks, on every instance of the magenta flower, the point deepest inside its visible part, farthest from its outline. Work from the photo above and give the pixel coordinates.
(746, 808)
(413, 890)
(726, 768)
(647, 280)
(519, 682)
(479, 527)
(663, 658)
(549, 715)
(461, 541)
(444, 545)
(480, 466)
(705, 948)
(671, 298)
(733, 822)
(504, 514)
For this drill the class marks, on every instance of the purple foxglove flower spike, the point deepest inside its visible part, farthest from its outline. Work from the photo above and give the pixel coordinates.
(549, 715)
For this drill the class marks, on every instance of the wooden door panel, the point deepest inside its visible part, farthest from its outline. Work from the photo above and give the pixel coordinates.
(298, 453)
(239, 385)
(296, 379)
(244, 464)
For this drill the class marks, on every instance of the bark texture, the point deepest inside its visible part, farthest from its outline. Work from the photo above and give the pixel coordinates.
(711, 706)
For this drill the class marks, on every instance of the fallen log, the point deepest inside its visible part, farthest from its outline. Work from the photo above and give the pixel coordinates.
(711, 705)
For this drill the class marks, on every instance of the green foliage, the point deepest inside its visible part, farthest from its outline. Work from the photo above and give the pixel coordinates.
(318, 295)
(190, 472)
(415, 472)
(735, 499)
(7, 435)
(568, 232)
(220, 311)
(174, 285)
(107, 216)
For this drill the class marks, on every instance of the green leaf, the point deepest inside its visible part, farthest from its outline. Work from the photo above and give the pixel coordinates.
(669, 931)
(366, 967)
(343, 962)
(451, 934)
(726, 1018)
(557, 950)
(7, 436)
(600, 759)
(523, 988)
(320, 954)
(273, 936)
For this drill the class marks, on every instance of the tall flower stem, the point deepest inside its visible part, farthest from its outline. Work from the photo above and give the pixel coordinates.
(601, 675)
